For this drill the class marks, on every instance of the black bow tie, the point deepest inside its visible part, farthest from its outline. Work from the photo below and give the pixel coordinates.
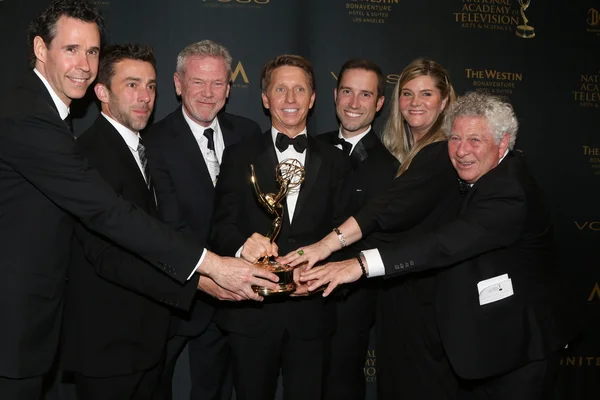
(282, 142)
(463, 187)
(346, 146)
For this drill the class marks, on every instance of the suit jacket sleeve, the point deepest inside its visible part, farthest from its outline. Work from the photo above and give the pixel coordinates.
(226, 237)
(411, 196)
(125, 269)
(493, 219)
(41, 149)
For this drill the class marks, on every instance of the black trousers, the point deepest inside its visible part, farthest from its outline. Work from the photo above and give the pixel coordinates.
(355, 313)
(21, 389)
(141, 385)
(211, 375)
(411, 361)
(257, 362)
(533, 381)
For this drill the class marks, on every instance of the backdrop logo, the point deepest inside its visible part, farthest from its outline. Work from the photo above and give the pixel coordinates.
(595, 295)
(390, 79)
(370, 368)
(593, 21)
(580, 361)
(588, 90)
(99, 3)
(588, 225)
(235, 3)
(525, 31)
(592, 154)
(370, 11)
(239, 78)
(497, 15)
(492, 81)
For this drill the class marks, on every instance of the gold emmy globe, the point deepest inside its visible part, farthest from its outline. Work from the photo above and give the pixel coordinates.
(525, 31)
(289, 175)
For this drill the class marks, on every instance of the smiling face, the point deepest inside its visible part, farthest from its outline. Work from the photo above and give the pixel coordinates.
(203, 87)
(70, 61)
(130, 98)
(356, 101)
(288, 98)
(472, 148)
(421, 104)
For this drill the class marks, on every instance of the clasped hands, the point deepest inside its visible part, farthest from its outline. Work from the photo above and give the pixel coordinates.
(307, 279)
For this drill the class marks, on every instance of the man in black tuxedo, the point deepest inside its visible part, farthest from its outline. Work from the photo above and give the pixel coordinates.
(45, 184)
(501, 310)
(118, 307)
(284, 333)
(358, 97)
(185, 150)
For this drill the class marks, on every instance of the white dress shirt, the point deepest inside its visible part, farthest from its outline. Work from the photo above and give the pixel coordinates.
(198, 132)
(290, 152)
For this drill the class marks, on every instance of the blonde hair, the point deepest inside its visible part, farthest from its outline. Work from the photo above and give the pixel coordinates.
(396, 133)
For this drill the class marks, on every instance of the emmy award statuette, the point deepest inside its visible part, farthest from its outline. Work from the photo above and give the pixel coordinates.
(525, 31)
(289, 175)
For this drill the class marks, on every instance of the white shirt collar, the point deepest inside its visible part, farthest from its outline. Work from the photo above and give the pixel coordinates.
(274, 133)
(354, 139)
(130, 137)
(197, 129)
(503, 157)
(505, 153)
(63, 109)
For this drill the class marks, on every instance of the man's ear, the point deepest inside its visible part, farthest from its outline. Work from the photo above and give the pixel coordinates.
(312, 100)
(177, 82)
(40, 49)
(380, 102)
(504, 144)
(101, 92)
(265, 100)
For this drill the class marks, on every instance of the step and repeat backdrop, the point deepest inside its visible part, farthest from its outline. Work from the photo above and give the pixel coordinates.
(542, 56)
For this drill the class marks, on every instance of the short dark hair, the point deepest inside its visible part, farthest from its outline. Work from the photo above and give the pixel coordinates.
(112, 54)
(360, 63)
(287, 60)
(44, 25)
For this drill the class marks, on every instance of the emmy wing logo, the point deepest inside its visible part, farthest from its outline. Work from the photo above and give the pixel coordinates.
(525, 31)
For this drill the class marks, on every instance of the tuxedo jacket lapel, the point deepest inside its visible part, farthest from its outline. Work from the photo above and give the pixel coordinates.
(230, 136)
(124, 157)
(361, 150)
(311, 172)
(264, 168)
(31, 82)
(191, 151)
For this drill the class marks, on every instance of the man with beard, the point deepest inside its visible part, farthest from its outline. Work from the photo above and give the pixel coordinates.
(46, 185)
(118, 308)
(185, 150)
(358, 97)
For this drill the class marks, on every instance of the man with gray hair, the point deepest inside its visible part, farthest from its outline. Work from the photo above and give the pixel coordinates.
(501, 310)
(184, 152)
